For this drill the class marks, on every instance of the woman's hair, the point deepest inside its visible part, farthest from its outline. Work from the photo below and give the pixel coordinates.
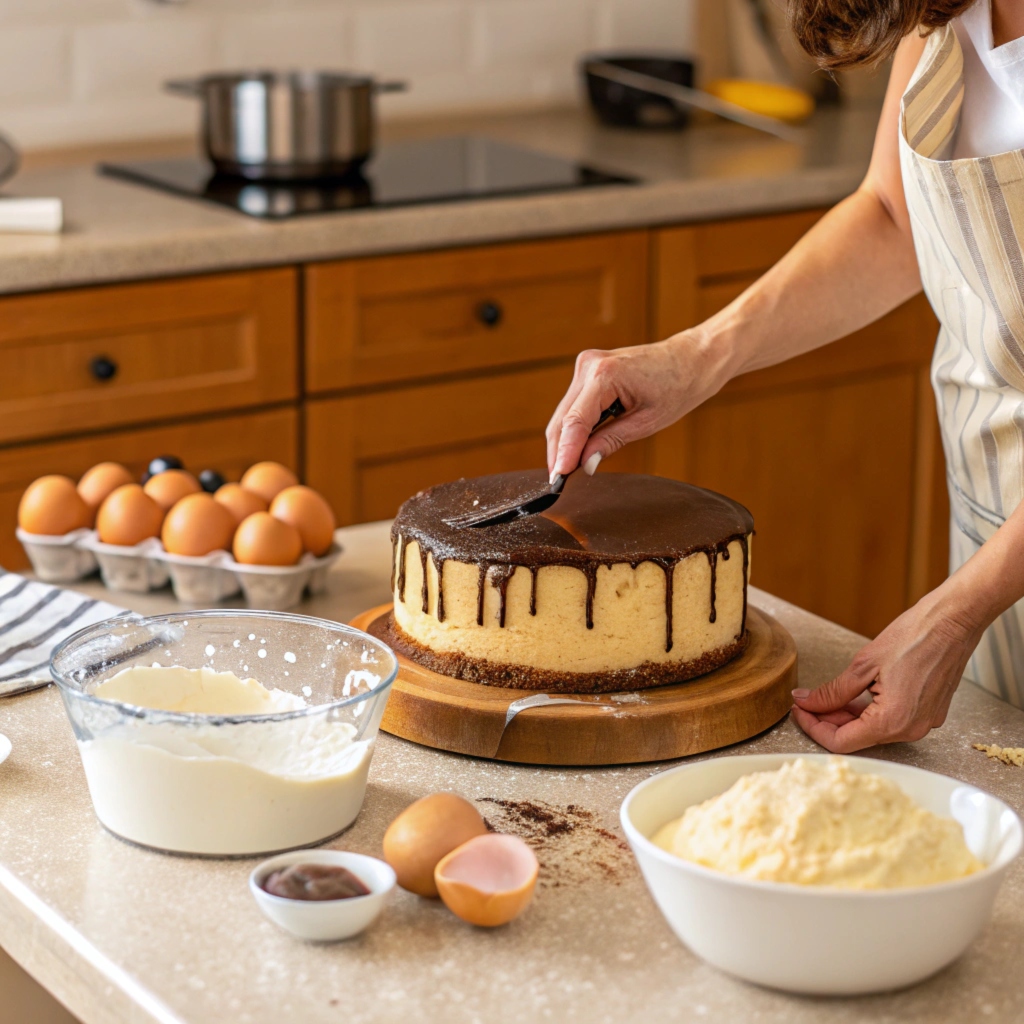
(844, 33)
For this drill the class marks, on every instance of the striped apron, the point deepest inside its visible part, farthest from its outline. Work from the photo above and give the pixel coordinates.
(968, 218)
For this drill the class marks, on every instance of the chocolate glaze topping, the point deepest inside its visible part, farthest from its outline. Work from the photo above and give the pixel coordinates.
(600, 520)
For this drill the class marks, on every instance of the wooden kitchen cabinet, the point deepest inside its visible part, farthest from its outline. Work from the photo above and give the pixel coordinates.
(369, 452)
(408, 317)
(229, 444)
(836, 453)
(92, 358)
(425, 367)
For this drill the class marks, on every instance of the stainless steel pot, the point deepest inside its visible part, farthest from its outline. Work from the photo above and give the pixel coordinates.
(287, 126)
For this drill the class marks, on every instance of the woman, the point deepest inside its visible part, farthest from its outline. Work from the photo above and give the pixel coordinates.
(942, 206)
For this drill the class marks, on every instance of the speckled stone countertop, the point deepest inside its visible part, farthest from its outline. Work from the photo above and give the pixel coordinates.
(121, 934)
(118, 231)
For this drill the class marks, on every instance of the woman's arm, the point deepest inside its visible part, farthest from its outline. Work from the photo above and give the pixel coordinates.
(851, 268)
(899, 686)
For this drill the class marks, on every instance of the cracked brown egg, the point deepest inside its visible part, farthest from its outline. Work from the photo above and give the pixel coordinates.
(489, 880)
(424, 833)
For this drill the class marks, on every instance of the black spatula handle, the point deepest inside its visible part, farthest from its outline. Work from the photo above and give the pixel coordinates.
(613, 410)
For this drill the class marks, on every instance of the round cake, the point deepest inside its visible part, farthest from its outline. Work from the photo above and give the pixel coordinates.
(626, 582)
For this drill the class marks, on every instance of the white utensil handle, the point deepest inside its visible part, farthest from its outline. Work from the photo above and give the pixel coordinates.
(34, 216)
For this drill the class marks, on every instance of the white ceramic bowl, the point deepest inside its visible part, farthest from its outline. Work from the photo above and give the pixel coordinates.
(816, 939)
(325, 920)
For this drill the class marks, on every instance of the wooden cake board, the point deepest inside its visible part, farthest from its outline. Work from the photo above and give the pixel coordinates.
(731, 704)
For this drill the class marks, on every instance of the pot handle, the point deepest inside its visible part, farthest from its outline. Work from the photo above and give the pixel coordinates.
(390, 86)
(191, 87)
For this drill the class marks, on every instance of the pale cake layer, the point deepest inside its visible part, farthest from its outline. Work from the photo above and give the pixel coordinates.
(629, 614)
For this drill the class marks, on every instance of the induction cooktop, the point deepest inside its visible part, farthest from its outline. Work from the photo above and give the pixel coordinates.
(401, 174)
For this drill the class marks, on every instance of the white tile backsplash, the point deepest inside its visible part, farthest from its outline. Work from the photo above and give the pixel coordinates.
(286, 39)
(410, 39)
(114, 60)
(34, 65)
(535, 32)
(76, 71)
(661, 24)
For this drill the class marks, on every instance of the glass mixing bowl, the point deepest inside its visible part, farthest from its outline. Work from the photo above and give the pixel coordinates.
(228, 785)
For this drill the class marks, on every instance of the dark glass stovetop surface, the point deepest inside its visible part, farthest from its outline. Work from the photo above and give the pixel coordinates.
(402, 174)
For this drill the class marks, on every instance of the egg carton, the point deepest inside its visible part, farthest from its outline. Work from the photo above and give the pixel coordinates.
(195, 581)
(59, 559)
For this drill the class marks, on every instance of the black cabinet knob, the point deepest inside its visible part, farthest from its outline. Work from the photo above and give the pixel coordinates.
(103, 368)
(489, 313)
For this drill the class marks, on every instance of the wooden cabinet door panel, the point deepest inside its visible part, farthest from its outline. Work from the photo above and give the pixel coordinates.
(172, 348)
(828, 473)
(426, 315)
(369, 452)
(836, 452)
(229, 444)
(748, 245)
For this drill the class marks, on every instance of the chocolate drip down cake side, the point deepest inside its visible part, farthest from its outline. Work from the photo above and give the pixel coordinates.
(627, 582)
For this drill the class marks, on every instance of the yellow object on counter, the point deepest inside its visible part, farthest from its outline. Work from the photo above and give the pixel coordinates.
(767, 98)
(814, 823)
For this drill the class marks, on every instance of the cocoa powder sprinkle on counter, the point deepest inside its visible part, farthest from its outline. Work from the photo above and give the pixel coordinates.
(571, 846)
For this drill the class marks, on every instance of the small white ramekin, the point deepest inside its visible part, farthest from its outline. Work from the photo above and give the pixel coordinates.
(325, 920)
(814, 939)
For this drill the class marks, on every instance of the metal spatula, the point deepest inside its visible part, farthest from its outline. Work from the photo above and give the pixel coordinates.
(527, 504)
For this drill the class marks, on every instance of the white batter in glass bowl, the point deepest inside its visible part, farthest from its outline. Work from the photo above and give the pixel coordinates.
(224, 732)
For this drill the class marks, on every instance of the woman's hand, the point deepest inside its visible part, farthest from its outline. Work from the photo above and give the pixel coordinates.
(657, 384)
(899, 686)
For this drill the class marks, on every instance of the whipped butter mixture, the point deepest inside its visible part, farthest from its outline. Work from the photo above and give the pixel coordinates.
(227, 788)
(814, 823)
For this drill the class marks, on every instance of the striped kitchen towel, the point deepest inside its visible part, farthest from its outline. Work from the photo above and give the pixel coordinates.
(34, 618)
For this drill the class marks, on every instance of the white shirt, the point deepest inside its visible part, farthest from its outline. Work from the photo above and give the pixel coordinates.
(992, 116)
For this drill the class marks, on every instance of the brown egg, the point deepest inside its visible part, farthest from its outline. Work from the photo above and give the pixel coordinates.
(488, 880)
(309, 513)
(170, 486)
(52, 506)
(197, 525)
(98, 482)
(128, 516)
(239, 502)
(263, 540)
(426, 831)
(268, 479)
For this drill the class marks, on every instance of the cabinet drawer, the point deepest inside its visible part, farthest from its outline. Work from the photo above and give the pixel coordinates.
(416, 316)
(101, 357)
(229, 444)
(370, 452)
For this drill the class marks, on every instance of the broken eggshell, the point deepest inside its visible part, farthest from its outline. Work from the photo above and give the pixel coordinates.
(489, 880)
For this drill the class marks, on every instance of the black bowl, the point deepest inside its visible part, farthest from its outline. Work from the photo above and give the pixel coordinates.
(624, 106)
